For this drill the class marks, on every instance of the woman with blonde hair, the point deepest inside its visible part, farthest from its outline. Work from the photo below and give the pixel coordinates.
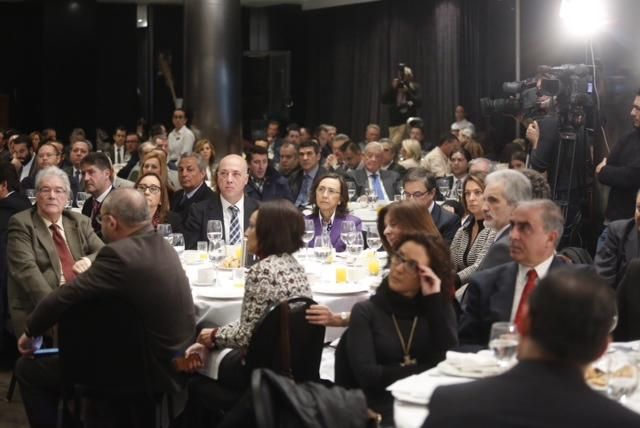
(411, 153)
(208, 152)
(156, 162)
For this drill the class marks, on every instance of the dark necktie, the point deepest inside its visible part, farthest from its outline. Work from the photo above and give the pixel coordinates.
(95, 213)
(234, 226)
(66, 259)
(79, 180)
(532, 278)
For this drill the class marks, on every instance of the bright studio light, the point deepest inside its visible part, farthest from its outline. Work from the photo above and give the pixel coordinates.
(583, 17)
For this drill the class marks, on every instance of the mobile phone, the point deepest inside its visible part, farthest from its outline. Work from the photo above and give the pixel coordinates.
(46, 352)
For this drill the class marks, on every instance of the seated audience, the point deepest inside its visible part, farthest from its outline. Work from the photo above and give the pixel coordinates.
(405, 328)
(518, 160)
(207, 151)
(131, 170)
(157, 196)
(47, 154)
(229, 204)
(289, 163)
(156, 162)
(411, 153)
(383, 184)
(565, 327)
(330, 198)
(420, 186)
(352, 156)
(620, 246)
(119, 271)
(482, 165)
(276, 277)
(468, 142)
(79, 150)
(265, 183)
(97, 173)
(437, 160)
(40, 258)
(459, 159)
(389, 155)
(540, 188)
(504, 189)
(472, 241)
(310, 169)
(192, 175)
(403, 218)
(499, 294)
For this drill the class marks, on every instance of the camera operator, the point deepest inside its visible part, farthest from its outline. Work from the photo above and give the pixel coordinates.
(403, 100)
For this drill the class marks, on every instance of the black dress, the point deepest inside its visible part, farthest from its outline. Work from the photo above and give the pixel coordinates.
(370, 352)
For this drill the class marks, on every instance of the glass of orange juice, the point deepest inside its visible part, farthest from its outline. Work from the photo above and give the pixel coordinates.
(341, 274)
(373, 265)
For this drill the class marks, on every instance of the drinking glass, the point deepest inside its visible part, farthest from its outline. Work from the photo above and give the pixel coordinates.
(503, 341)
(165, 231)
(31, 195)
(178, 243)
(307, 236)
(373, 239)
(214, 230)
(202, 250)
(322, 248)
(355, 247)
(81, 198)
(347, 232)
(217, 253)
(443, 187)
(351, 189)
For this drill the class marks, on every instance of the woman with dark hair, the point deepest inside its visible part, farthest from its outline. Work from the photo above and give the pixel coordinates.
(402, 218)
(405, 328)
(276, 277)
(472, 241)
(157, 196)
(329, 196)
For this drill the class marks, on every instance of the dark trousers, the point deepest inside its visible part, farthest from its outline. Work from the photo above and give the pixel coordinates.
(40, 383)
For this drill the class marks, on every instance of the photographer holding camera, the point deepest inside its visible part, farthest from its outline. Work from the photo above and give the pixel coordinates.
(403, 98)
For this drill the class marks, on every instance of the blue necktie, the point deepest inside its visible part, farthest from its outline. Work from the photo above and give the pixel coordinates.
(303, 196)
(377, 187)
(234, 227)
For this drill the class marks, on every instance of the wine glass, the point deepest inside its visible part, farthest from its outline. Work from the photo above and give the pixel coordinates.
(309, 233)
(355, 247)
(443, 187)
(347, 231)
(214, 230)
(81, 198)
(217, 252)
(31, 195)
(178, 243)
(373, 239)
(165, 231)
(351, 189)
(322, 248)
(503, 341)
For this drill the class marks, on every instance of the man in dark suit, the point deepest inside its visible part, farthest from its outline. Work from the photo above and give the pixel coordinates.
(265, 183)
(118, 151)
(503, 190)
(420, 186)
(565, 327)
(498, 294)
(389, 157)
(384, 184)
(118, 271)
(300, 182)
(79, 150)
(229, 205)
(192, 173)
(619, 248)
(97, 175)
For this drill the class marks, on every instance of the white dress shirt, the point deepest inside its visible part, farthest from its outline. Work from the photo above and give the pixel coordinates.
(521, 281)
(26, 169)
(384, 191)
(180, 141)
(227, 216)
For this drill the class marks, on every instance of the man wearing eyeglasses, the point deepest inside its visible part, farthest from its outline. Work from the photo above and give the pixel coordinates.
(420, 186)
(96, 169)
(181, 139)
(229, 204)
(47, 245)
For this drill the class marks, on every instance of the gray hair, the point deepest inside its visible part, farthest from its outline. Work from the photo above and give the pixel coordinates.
(54, 172)
(127, 205)
(82, 140)
(202, 164)
(551, 214)
(488, 163)
(517, 186)
(374, 145)
(373, 126)
(142, 147)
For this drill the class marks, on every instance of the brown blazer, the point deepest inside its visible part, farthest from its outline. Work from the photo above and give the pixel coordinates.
(34, 265)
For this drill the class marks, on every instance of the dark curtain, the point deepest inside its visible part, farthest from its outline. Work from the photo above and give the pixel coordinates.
(353, 52)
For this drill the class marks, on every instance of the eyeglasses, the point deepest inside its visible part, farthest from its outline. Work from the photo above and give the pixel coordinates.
(397, 258)
(57, 191)
(154, 190)
(233, 174)
(175, 116)
(321, 190)
(414, 195)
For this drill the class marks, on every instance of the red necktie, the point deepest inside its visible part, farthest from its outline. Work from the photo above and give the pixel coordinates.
(66, 259)
(532, 278)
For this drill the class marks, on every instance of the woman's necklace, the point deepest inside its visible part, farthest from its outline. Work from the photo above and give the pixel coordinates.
(406, 347)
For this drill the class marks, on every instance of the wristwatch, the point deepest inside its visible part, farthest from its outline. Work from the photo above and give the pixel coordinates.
(344, 316)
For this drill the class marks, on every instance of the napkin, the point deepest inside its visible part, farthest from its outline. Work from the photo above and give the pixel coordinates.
(467, 360)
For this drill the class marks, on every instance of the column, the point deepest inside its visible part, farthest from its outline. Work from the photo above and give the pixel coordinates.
(213, 53)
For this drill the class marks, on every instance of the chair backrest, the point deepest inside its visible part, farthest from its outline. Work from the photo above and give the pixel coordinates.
(103, 348)
(286, 343)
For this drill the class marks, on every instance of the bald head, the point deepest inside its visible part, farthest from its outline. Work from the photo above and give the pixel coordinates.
(232, 177)
(124, 212)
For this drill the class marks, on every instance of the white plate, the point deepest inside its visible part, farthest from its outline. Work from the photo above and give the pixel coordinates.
(202, 284)
(471, 372)
(222, 293)
(328, 288)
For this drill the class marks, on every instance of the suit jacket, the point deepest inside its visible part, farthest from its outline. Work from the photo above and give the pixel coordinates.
(155, 285)
(182, 207)
(275, 187)
(34, 265)
(446, 222)
(532, 394)
(390, 181)
(295, 181)
(121, 182)
(195, 223)
(620, 247)
(112, 154)
(489, 299)
(498, 252)
(628, 294)
(87, 209)
(337, 243)
(437, 163)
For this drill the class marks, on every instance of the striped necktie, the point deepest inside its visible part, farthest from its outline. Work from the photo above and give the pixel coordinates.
(234, 227)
